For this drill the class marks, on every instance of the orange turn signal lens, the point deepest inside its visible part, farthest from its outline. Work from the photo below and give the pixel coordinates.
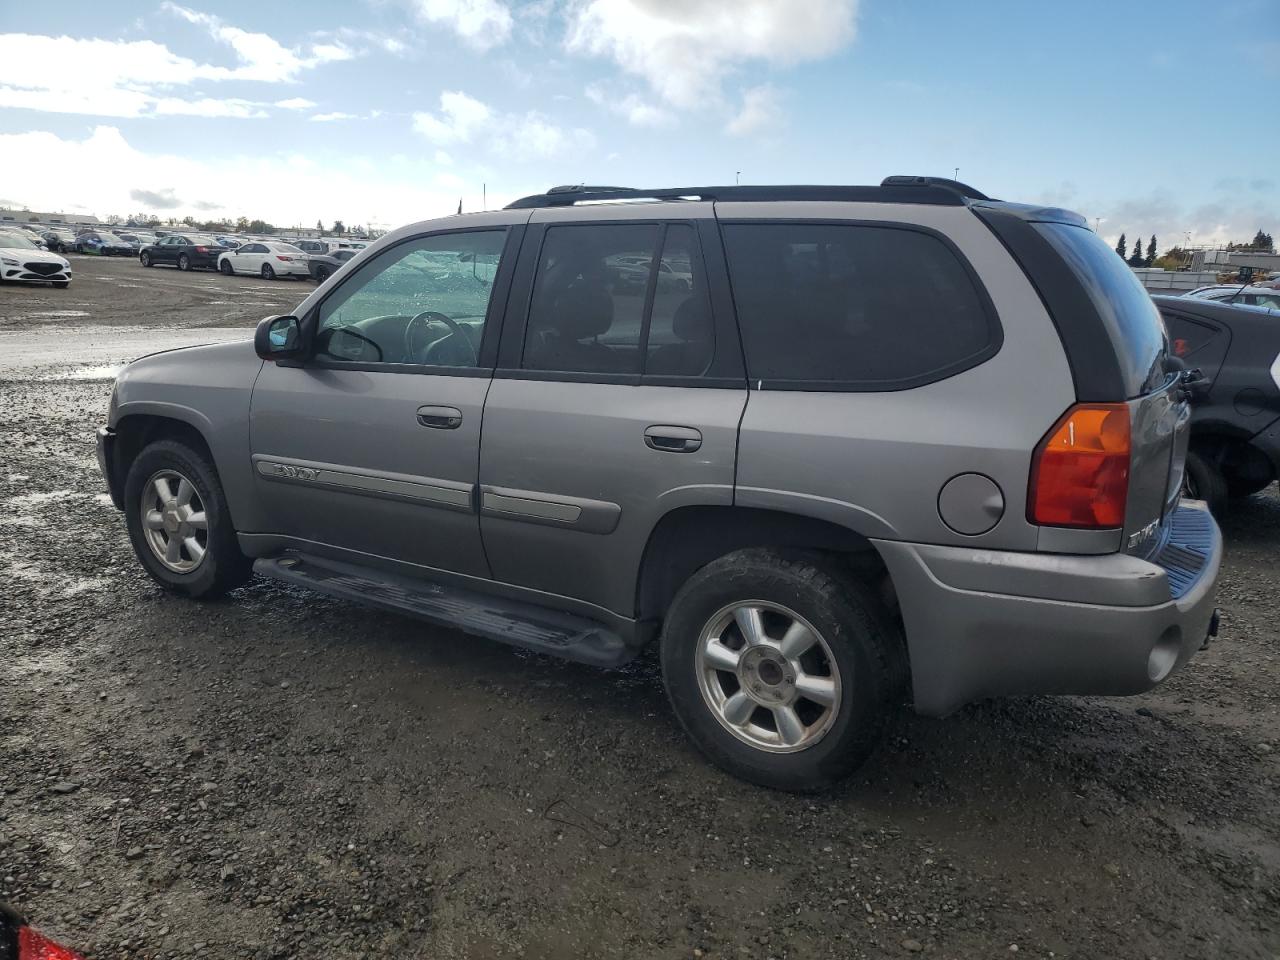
(1080, 470)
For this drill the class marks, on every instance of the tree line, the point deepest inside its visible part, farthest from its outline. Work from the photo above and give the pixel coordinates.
(1261, 243)
(240, 225)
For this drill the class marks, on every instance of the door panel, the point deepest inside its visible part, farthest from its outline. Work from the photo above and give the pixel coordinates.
(571, 490)
(341, 458)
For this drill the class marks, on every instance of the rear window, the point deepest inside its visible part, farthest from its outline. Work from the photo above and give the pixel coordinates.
(854, 306)
(1131, 317)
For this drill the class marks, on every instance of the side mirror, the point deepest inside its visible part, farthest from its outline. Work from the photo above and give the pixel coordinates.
(278, 338)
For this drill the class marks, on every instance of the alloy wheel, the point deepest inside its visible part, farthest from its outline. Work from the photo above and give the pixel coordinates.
(768, 676)
(174, 523)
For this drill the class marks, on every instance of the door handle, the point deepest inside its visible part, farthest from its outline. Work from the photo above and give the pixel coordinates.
(440, 418)
(671, 439)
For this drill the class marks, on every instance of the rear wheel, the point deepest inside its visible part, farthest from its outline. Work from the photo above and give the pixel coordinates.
(1204, 481)
(225, 268)
(322, 273)
(779, 668)
(184, 262)
(267, 272)
(145, 258)
(179, 524)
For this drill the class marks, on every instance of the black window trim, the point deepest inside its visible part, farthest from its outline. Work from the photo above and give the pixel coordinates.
(994, 328)
(493, 317)
(726, 370)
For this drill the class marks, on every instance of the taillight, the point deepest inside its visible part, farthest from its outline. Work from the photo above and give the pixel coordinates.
(1080, 471)
(279, 257)
(33, 946)
(201, 250)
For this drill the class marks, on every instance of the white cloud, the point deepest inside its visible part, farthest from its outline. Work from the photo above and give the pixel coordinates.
(481, 23)
(464, 119)
(458, 121)
(209, 107)
(134, 78)
(261, 56)
(761, 108)
(329, 117)
(50, 170)
(685, 49)
(637, 111)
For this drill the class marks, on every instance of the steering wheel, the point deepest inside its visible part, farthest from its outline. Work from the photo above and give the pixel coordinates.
(456, 331)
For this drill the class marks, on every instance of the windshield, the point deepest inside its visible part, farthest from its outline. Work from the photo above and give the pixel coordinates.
(1127, 310)
(16, 240)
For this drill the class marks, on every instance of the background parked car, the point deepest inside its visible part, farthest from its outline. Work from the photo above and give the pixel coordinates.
(269, 260)
(325, 265)
(137, 240)
(103, 244)
(1253, 295)
(21, 259)
(1235, 423)
(184, 250)
(59, 239)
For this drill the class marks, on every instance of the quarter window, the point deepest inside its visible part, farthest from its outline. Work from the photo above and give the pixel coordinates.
(422, 302)
(861, 306)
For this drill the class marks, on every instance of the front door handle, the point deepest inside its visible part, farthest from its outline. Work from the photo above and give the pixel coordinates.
(672, 439)
(440, 418)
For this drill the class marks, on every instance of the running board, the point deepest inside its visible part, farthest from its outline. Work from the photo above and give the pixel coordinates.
(514, 622)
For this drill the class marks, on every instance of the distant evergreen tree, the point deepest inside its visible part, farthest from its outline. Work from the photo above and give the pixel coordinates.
(1151, 250)
(1137, 260)
(1122, 248)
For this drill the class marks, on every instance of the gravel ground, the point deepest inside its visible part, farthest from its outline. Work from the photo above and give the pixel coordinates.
(283, 775)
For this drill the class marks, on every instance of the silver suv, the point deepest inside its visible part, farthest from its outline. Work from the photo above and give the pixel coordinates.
(830, 447)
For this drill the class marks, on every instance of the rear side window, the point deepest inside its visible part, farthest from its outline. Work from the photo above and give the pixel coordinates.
(1188, 337)
(854, 306)
(620, 299)
(1127, 310)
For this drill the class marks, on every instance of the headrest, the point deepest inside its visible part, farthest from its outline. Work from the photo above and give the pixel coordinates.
(583, 310)
(692, 320)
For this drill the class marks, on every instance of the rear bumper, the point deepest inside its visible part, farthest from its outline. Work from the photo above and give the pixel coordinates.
(106, 464)
(984, 623)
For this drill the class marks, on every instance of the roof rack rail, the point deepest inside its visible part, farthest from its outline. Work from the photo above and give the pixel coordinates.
(901, 190)
(907, 180)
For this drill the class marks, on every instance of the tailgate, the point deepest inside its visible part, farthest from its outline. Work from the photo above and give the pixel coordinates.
(1160, 430)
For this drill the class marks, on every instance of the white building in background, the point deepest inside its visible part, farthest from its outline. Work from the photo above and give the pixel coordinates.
(39, 216)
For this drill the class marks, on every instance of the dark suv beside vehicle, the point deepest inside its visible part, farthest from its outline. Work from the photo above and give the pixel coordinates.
(1235, 423)
(874, 440)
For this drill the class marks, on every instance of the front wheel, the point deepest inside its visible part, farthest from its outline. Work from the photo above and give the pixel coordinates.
(267, 272)
(780, 667)
(145, 258)
(225, 268)
(179, 524)
(184, 262)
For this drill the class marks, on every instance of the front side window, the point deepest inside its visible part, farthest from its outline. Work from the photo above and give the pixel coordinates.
(860, 306)
(619, 299)
(422, 302)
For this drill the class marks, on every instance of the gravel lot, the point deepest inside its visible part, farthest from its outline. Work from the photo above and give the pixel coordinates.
(283, 775)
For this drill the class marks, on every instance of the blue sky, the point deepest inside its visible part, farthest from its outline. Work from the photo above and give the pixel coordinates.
(1151, 120)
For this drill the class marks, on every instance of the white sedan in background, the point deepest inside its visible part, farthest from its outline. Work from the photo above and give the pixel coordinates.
(267, 258)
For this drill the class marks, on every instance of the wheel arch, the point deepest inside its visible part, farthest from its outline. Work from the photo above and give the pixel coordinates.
(135, 429)
(687, 538)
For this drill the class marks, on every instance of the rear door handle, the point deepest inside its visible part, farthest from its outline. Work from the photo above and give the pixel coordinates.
(672, 439)
(440, 418)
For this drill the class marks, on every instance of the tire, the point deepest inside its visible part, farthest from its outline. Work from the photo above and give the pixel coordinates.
(62, 284)
(222, 567)
(267, 272)
(856, 653)
(1204, 481)
(184, 262)
(1239, 488)
(225, 268)
(322, 273)
(145, 258)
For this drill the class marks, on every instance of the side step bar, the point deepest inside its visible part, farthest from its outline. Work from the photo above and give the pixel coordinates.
(514, 622)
